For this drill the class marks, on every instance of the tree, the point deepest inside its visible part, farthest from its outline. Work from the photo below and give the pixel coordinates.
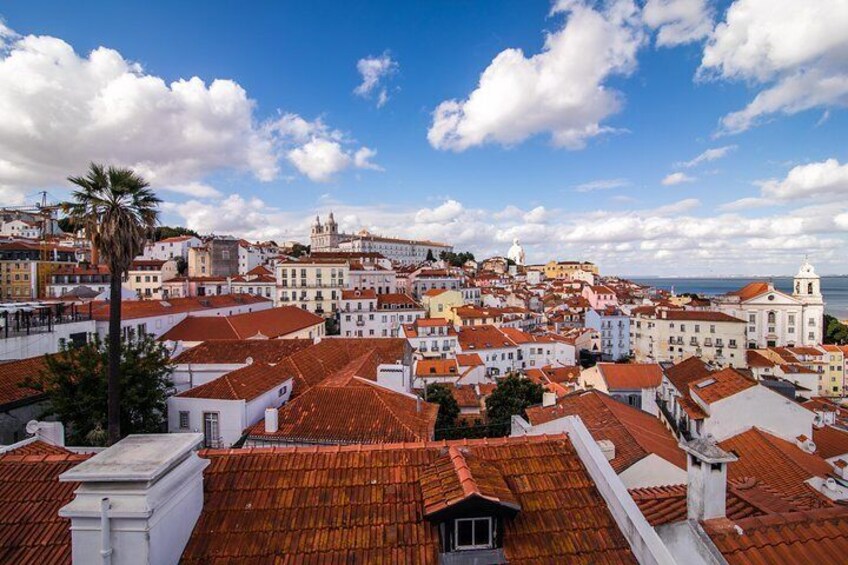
(430, 256)
(835, 332)
(298, 250)
(164, 232)
(75, 382)
(511, 397)
(119, 212)
(456, 259)
(182, 265)
(440, 394)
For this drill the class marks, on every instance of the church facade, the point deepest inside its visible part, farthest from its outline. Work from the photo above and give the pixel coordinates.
(778, 319)
(326, 237)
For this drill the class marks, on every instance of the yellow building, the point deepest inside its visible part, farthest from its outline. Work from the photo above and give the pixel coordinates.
(439, 302)
(25, 265)
(571, 270)
(833, 379)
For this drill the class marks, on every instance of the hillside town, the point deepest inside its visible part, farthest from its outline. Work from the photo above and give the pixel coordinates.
(319, 378)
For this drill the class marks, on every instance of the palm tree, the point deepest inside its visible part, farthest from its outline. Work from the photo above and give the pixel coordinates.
(119, 213)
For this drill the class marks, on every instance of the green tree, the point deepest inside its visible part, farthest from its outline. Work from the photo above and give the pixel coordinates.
(430, 256)
(298, 250)
(440, 394)
(164, 232)
(456, 259)
(75, 382)
(182, 265)
(835, 332)
(118, 211)
(511, 397)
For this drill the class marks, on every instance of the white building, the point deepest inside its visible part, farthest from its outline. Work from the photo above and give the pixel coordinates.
(364, 313)
(664, 335)
(634, 384)
(313, 284)
(775, 318)
(146, 276)
(223, 408)
(431, 337)
(20, 229)
(170, 248)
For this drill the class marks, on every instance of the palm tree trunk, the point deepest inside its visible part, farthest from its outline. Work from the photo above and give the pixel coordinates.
(114, 383)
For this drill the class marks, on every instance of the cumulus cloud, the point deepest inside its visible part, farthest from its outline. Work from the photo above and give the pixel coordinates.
(561, 91)
(60, 110)
(601, 184)
(676, 178)
(375, 71)
(709, 155)
(647, 241)
(678, 21)
(798, 51)
(827, 178)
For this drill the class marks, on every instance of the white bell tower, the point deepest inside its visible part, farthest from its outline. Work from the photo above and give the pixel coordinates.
(807, 289)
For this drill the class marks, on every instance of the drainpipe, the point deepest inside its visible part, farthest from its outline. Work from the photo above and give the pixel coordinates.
(105, 532)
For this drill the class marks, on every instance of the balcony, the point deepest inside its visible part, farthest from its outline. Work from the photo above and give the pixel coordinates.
(679, 428)
(17, 320)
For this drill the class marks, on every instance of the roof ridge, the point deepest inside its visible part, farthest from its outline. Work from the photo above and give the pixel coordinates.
(463, 471)
(379, 394)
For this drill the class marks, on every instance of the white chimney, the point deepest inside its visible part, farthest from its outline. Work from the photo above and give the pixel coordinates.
(706, 491)
(272, 423)
(49, 432)
(805, 444)
(548, 399)
(137, 501)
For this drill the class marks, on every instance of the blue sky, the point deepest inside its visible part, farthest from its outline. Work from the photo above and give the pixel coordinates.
(287, 136)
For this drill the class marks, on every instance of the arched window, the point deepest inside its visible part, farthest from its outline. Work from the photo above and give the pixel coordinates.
(809, 288)
(771, 317)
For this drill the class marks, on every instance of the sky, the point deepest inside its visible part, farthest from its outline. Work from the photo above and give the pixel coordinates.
(654, 137)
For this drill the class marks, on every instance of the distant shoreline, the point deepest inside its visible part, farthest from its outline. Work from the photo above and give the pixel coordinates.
(718, 278)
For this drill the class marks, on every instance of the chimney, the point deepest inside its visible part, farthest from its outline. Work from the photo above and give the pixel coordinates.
(548, 399)
(805, 444)
(48, 432)
(607, 448)
(137, 501)
(272, 423)
(706, 492)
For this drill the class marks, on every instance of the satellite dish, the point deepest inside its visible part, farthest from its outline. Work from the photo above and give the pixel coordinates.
(32, 427)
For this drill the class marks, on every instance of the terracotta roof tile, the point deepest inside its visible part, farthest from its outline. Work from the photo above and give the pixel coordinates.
(271, 323)
(751, 290)
(721, 385)
(779, 464)
(631, 375)
(457, 476)
(635, 433)
(14, 373)
(31, 531)
(469, 360)
(819, 536)
(239, 350)
(830, 441)
(365, 504)
(745, 498)
(242, 384)
(436, 368)
(37, 447)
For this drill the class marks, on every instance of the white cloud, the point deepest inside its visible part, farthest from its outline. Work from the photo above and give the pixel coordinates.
(823, 179)
(446, 212)
(678, 21)
(797, 50)
(60, 110)
(709, 155)
(601, 184)
(676, 178)
(560, 90)
(682, 234)
(374, 71)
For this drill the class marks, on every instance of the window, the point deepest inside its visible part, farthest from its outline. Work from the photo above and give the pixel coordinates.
(472, 533)
(211, 436)
(184, 421)
(282, 391)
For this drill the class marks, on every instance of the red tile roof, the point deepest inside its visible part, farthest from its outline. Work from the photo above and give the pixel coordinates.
(13, 374)
(830, 441)
(622, 376)
(436, 368)
(457, 476)
(358, 411)
(819, 536)
(700, 316)
(756, 359)
(365, 504)
(469, 360)
(483, 337)
(359, 294)
(745, 498)
(465, 396)
(394, 299)
(227, 351)
(31, 531)
(272, 323)
(751, 290)
(779, 464)
(721, 385)
(634, 433)
(133, 309)
(242, 384)
(37, 447)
